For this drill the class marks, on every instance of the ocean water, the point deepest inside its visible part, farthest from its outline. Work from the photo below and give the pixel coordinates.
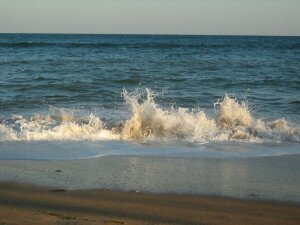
(84, 96)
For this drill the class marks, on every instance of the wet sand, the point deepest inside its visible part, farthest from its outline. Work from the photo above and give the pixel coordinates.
(259, 178)
(25, 204)
(138, 190)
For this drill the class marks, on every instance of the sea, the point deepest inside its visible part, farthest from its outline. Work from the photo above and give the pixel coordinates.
(78, 96)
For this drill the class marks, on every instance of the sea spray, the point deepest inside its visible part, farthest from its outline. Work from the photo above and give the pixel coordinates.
(233, 113)
(150, 121)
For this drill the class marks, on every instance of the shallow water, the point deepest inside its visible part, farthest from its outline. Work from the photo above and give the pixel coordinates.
(71, 150)
(272, 178)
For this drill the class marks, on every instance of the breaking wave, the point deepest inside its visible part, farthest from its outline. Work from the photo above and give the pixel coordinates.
(150, 121)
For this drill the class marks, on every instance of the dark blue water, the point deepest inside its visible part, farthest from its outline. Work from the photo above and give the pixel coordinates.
(91, 70)
(88, 73)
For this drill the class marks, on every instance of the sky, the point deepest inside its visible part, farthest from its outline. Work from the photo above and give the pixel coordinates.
(206, 17)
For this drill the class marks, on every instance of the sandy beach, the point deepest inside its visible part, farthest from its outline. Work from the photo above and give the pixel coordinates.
(25, 204)
(150, 190)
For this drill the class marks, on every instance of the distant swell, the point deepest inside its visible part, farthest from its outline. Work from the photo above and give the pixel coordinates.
(149, 121)
(295, 46)
(158, 45)
(49, 44)
(145, 45)
(25, 44)
(109, 44)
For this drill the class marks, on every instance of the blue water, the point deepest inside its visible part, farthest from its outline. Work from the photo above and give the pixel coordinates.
(81, 75)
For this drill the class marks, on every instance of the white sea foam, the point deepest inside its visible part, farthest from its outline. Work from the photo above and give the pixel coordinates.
(149, 121)
(60, 125)
(234, 122)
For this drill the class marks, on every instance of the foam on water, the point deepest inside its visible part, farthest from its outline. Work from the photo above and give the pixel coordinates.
(234, 122)
(149, 121)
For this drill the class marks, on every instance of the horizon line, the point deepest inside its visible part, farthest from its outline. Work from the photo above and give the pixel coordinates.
(153, 34)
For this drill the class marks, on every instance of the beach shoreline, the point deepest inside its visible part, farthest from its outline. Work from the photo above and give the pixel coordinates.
(258, 178)
(28, 204)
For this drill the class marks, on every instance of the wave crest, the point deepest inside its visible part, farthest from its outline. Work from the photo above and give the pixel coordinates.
(149, 121)
(233, 122)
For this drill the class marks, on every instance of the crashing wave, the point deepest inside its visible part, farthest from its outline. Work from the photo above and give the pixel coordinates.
(149, 121)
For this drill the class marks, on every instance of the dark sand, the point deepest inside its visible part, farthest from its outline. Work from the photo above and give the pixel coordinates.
(25, 204)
